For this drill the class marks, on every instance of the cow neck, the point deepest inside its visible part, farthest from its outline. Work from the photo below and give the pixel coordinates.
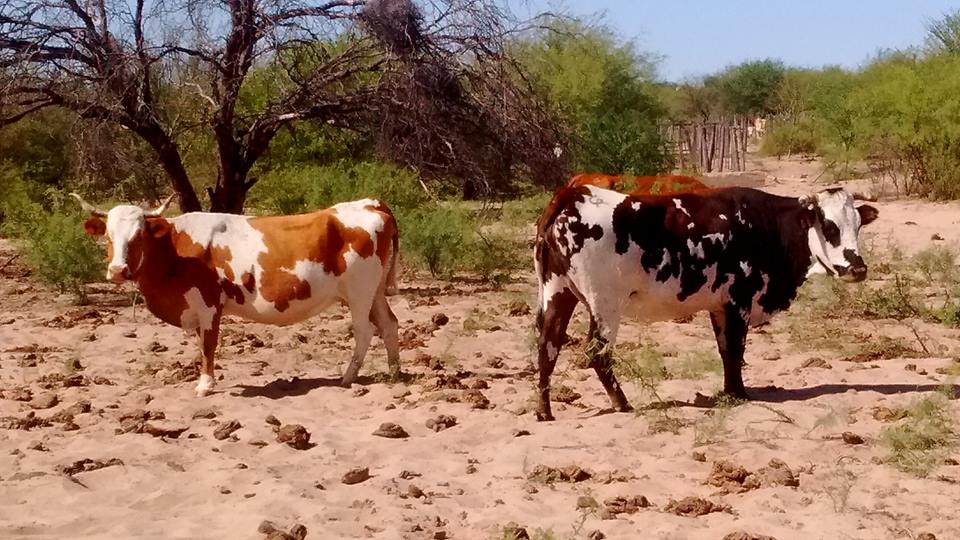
(795, 237)
(158, 260)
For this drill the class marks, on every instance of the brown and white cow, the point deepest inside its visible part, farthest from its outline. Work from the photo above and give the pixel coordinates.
(194, 268)
(739, 254)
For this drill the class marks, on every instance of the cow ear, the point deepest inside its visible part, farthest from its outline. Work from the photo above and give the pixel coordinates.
(867, 214)
(94, 226)
(158, 227)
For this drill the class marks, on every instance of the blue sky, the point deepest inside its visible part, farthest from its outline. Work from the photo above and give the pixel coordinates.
(699, 37)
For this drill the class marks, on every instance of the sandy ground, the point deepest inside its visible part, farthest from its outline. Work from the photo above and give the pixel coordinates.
(175, 479)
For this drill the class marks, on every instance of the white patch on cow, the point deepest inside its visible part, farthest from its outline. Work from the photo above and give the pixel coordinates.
(837, 207)
(551, 352)
(757, 314)
(355, 215)
(680, 207)
(690, 225)
(198, 315)
(724, 217)
(716, 238)
(205, 385)
(233, 232)
(696, 249)
(740, 217)
(747, 269)
(635, 205)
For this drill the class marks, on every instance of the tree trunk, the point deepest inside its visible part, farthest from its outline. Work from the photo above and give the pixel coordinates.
(169, 156)
(230, 193)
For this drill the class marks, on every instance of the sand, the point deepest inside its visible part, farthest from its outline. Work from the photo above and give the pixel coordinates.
(469, 480)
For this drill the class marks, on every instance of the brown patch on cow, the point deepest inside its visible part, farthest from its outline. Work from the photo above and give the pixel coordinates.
(319, 237)
(95, 226)
(175, 266)
(387, 238)
(666, 184)
(220, 256)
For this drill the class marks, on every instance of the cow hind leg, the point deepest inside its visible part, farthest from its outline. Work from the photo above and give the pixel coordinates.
(730, 328)
(386, 322)
(600, 343)
(209, 338)
(361, 304)
(554, 317)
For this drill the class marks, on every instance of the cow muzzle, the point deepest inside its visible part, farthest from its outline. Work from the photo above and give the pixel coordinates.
(118, 274)
(852, 274)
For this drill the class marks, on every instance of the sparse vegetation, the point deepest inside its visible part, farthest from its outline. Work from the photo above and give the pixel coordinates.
(713, 425)
(919, 443)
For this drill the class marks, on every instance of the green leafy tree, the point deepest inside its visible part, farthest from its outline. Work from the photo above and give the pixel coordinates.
(604, 89)
(749, 88)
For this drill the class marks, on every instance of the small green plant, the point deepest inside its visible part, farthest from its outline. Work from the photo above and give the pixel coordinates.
(697, 363)
(919, 443)
(713, 425)
(643, 366)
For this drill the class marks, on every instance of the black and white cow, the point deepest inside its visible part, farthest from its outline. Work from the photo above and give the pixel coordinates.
(738, 253)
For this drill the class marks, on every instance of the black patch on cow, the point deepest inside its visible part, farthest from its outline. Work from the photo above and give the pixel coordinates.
(830, 231)
(833, 190)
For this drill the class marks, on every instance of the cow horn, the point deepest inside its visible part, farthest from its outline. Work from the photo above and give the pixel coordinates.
(158, 211)
(861, 196)
(87, 207)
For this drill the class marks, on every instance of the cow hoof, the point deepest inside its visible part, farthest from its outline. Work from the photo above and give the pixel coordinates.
(738, 395)
(205, 386)
(545, 417)
(626, 407)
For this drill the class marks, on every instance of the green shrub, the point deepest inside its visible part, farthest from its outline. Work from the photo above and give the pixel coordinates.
(435, 237)
(790, 137)
(60, 253)
(18, 206)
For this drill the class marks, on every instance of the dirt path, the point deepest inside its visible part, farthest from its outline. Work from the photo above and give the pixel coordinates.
(468, 480)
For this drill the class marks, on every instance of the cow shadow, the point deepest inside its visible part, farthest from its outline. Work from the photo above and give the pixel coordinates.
(293, 387)
(776, 394)
(782, 395)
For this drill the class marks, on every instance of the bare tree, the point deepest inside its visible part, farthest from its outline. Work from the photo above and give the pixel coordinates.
(349, 63)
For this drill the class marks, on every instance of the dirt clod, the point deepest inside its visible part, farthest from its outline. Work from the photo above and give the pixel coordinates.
(441, 422)
(440, 319)
(740, 535)
(549, 475)
(476, 399)
(44, 401)
(699, 456)
(851, 438)
(294, 436)
(694, 507)
(87, 465)
(815, 362)
(272, 420)
(356, 475)
(390, 430)
(625, 505)
(563, 394)
(513, 531)
(226, 429)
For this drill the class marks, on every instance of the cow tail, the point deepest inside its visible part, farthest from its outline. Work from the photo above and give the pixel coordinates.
(391, 288)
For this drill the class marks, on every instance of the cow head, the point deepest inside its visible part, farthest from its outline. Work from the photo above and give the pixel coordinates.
(834, 232)
(124, 228)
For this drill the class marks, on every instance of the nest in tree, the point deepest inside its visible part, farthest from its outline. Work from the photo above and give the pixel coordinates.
(396, 23)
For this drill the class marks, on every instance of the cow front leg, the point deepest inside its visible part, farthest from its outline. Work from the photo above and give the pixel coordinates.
(555, 315)
(208, 338)
(730, 328)
(600, 354)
